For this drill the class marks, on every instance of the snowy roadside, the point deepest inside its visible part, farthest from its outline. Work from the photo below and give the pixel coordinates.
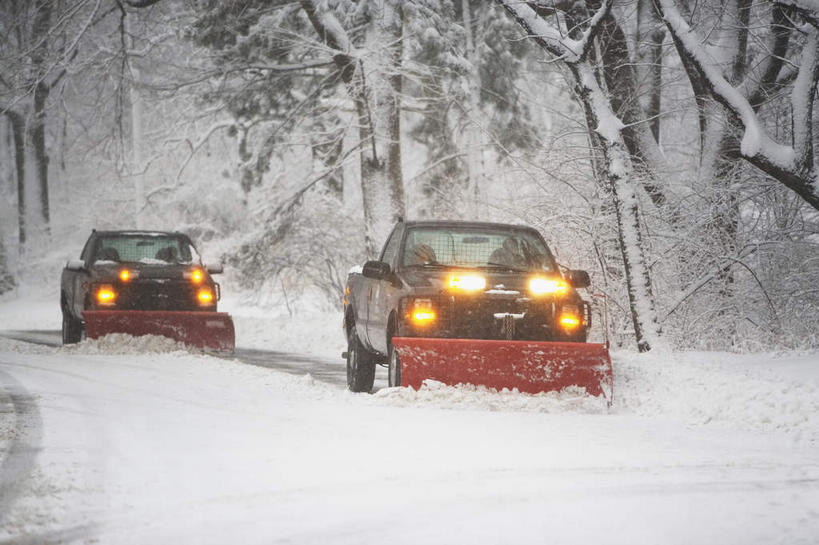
(761, 392)
(754, 392)
(168, 446)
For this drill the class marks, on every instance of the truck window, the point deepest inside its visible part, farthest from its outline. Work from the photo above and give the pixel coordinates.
(86, 251)
(391, 248)
(146, 249)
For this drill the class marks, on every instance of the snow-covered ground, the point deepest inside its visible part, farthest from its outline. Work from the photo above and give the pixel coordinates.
(178, 448)
(131, 442)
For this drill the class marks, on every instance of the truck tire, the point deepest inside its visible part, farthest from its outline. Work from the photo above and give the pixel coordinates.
(393, 367)
(72, 329)
(360, 364)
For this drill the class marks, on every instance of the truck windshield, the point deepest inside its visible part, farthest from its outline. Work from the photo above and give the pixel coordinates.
(477, 248)
(146, 249)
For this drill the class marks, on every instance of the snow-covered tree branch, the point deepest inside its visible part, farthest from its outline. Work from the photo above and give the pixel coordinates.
(574, 53)
(791, 165)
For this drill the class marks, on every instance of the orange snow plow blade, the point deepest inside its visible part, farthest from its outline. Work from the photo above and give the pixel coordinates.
(530, 366)
(211, 331)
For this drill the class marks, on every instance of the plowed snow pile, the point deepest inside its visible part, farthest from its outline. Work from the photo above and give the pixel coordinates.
(756, 392)
(122, 344)
(465, 396)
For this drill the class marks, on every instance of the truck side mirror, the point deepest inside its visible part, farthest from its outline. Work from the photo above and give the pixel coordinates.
(214, 268)
(579, 279)
(75, 265)
(377, 270)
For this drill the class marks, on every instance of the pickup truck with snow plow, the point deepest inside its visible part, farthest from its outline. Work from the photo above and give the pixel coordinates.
(143, 283)
(475, 303)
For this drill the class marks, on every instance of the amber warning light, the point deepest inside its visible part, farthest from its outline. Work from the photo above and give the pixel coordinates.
(467, 282)
(205, 297)
(106, 295)
(422, 312)
(423, 316)
(569, 321)
(543, 286)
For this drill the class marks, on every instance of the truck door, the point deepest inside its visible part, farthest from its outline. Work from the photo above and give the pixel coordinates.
(79, 278)
(379, 304)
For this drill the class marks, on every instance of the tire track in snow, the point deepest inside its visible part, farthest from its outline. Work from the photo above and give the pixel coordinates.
(25, 441)
(63, 535)
(321, 370)
(295, 364)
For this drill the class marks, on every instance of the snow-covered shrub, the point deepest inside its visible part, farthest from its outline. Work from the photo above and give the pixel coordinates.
(311, 245)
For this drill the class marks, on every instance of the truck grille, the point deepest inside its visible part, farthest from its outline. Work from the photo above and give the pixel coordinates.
(157, 295)
(487, 317)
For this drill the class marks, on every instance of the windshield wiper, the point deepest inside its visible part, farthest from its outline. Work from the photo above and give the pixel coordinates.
(505, 266)
(431, 265)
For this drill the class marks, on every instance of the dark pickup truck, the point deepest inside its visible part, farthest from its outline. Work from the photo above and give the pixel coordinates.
(458, 280)
(135, 271)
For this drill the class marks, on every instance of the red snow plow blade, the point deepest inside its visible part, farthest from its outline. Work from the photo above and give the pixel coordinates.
(211, 331)
(530, 366)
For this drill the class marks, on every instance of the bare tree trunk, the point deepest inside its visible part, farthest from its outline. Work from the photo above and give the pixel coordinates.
(37, 136)
(135, 168)
(619, 173)
(18, 132)
(380, 156)
(40, 29)
(393, 110)
(621, 81)
(619, 168)
(473, 130)
(6, 279)
(650, 36)
(378, 107)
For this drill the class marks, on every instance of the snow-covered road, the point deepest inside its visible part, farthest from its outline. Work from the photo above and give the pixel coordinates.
(321, 368)
(178, 448)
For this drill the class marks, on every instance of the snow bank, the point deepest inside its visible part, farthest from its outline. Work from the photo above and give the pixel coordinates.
(438, 395)
(760, 392)
(120, 343)
(26, 309)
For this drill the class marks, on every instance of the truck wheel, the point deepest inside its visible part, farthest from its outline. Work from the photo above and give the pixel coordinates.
(360, 365)
(394, 367)
(72, 329)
